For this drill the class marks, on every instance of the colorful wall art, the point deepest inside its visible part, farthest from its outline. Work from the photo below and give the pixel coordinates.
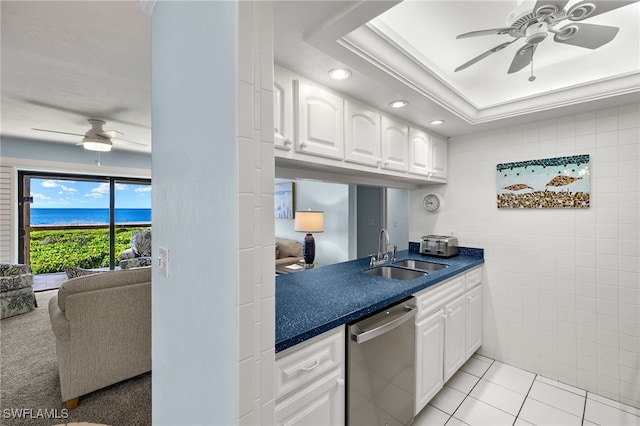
(550, 183)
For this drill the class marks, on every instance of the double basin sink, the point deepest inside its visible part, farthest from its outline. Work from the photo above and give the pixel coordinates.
(406, 269)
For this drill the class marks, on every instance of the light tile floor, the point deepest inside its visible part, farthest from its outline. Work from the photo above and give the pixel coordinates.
(488, 392)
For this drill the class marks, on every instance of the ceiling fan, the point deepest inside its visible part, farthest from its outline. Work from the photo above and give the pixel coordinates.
(534, 25)
(96, 138)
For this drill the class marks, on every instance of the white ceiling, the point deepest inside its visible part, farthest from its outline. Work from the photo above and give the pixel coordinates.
(65, 62)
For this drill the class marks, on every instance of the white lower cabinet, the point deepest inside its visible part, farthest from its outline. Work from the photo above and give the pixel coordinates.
(454, 336)
(429, 350)
(474, 320)
(448, 331)
(310, 383)
(320, 403)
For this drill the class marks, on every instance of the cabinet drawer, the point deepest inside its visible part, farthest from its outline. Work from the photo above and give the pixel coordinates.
(303, 363)
(473, 277)
(435, 297)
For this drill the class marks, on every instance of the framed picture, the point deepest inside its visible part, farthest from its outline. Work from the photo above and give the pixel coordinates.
(284, 200)
(549, 183)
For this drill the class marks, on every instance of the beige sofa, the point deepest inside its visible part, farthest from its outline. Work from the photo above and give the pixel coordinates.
(102, 324)
(288, 252)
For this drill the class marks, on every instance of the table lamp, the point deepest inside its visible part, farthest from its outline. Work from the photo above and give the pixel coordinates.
(309, 221)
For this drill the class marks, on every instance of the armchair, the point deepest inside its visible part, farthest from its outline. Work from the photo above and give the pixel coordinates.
(140, 252)
(16, 290)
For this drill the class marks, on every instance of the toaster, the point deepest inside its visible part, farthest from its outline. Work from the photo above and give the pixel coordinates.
(439, 245)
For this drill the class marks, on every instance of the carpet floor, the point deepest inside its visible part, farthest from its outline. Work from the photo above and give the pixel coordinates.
(30, 386)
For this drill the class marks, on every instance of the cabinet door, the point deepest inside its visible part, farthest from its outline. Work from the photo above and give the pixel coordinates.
(454, 336)
(320, 121)
(474, 320)
(395, 144)
(362, 143)
(321, 403)
(419, 146)
(283, 109)
(438, 158)
(429, 360)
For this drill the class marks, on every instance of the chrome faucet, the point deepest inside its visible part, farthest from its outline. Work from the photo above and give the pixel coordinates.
(383, 249)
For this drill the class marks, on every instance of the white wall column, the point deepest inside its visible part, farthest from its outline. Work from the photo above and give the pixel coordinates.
(213, 171)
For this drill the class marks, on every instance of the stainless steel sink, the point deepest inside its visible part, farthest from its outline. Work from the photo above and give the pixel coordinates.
(395, 273)
(421, 265)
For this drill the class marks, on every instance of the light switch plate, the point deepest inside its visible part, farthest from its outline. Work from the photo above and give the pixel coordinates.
(163, 261)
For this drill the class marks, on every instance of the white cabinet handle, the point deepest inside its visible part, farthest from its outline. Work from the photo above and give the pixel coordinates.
(314, 364)
(288, 141)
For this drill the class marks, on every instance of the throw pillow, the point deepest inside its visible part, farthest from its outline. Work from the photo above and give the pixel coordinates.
(78, 272)
(141, 243)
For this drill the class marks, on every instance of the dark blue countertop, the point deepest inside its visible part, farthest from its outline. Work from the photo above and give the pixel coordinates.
(313, 301)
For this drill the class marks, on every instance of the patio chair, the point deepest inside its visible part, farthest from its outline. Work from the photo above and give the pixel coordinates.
(140, 252)
(16, 290)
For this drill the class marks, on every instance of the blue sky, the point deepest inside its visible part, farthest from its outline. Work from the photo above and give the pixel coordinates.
(60, 194)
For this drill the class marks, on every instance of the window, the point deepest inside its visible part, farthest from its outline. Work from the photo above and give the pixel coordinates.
(77, 220)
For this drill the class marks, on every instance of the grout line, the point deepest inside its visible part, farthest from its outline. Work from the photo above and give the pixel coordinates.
(474, 386)
(525, 397)
(558, 387)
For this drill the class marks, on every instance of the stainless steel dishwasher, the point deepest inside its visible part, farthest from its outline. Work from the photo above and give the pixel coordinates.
(381, 367)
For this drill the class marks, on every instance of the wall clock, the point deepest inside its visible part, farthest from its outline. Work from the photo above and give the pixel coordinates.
(431, 202)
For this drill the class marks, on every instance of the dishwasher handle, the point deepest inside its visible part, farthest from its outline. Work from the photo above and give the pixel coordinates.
(382, 322)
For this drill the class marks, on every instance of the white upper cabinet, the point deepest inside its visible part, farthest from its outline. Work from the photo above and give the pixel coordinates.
(419, 144)
(395, 144)
(362, 128)
(438, 152)
(427, 155)
(315, 126)
(321, 122)
(283, 109)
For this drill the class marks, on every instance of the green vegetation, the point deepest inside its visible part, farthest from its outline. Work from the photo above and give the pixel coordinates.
(51, 251)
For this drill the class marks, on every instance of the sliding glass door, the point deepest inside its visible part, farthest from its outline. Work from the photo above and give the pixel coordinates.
(77, 220)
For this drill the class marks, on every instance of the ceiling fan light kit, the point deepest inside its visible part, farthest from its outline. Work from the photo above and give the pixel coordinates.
(96, 144)
(535, 25)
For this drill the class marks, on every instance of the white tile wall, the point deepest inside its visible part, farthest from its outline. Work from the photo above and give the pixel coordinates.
(256, 170)
(562, 293)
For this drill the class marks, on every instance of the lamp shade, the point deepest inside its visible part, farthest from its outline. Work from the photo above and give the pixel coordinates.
(309, 221)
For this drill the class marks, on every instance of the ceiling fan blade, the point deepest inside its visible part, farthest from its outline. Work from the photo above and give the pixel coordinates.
(548, 7)
(589, 36)
(128, 141)
(55, 131)
(522, 58)
(587, 9)
(109, 134)
(485, 54)
(499, 31)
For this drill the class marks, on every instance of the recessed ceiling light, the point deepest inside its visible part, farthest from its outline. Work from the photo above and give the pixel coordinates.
(437, 122)
(339, 73)
(400, 103)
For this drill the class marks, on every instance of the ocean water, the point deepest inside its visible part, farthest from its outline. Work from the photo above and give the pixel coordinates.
(87, 216)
